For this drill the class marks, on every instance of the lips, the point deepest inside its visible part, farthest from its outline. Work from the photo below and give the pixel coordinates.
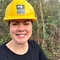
(20, 35)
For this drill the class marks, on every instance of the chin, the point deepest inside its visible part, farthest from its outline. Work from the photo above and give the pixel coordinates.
(22, 41)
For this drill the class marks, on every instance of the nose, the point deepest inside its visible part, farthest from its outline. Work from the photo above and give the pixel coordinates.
(21, 28)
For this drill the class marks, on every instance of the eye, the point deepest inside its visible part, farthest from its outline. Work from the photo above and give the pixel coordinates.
(26, 23)
(15, 24)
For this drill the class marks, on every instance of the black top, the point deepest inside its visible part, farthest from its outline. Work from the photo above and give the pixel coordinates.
(34, 53)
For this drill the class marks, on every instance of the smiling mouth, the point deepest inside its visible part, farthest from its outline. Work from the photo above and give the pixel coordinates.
(21, 35)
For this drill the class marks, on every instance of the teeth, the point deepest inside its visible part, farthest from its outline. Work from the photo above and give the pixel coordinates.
(20, 34)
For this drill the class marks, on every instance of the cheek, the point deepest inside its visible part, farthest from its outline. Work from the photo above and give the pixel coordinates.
(12, 30)
(29, 30)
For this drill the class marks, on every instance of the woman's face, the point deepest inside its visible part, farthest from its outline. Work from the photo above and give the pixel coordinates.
(20, 31)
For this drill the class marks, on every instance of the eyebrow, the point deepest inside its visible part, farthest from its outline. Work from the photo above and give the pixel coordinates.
(23, 21)
(28, 21)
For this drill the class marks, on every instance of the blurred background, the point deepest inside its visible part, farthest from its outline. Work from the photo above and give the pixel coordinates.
(46, 30)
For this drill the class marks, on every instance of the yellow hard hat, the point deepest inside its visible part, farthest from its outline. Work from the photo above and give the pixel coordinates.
(19, 9)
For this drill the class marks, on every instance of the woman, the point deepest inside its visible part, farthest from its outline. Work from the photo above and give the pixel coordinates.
(20, 17)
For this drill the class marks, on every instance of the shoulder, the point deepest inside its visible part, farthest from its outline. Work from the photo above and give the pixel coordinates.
(2, 46)
(33, 44)
(36, 48)
(1, 55)
(1, 52)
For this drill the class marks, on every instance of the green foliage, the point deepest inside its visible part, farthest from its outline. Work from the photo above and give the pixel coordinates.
(6, 39)
(51, 34)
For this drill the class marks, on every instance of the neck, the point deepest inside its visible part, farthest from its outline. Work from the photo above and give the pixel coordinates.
(18, 48)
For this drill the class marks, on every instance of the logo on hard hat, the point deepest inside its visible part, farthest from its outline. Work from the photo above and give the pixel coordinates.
(20, 9)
